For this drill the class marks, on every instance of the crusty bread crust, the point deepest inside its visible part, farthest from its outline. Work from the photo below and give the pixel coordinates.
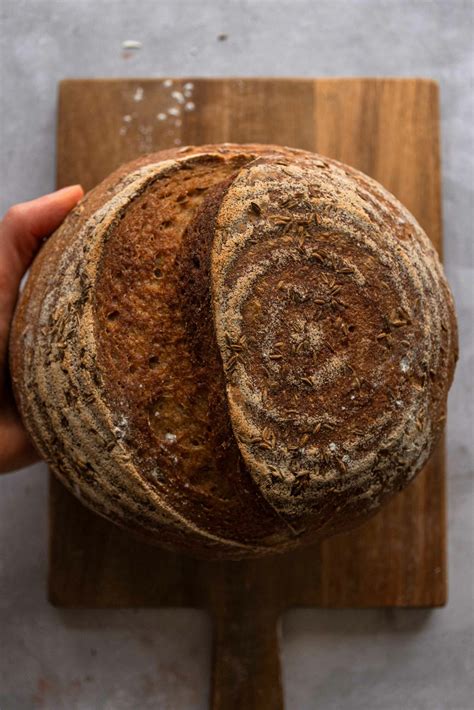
(339, 393)
(233, 349)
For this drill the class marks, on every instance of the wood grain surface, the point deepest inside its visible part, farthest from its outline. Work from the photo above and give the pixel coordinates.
(388, 128)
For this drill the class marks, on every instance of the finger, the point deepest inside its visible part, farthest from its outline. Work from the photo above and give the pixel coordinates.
(25, 225)
(16, 449)
(21, 233)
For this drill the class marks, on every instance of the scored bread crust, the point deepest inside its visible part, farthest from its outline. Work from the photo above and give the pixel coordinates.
(302, 470)
(338, 297)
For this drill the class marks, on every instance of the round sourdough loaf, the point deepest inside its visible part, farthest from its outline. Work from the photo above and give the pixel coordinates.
(231, 350)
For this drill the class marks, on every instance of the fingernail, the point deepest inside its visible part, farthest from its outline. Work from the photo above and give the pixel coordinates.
(71, 187)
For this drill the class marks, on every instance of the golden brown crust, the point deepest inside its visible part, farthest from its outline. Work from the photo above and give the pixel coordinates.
(166, 388)
(328, 304)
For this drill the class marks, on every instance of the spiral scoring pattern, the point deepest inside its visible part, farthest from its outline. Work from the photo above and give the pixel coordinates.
(334, 325)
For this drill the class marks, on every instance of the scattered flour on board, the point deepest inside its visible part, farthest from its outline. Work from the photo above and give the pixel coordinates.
(145, 143)
(127, 120)
(179, 101)
(178, 96)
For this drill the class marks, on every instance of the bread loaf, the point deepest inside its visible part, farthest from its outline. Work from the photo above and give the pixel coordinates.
(233, 350)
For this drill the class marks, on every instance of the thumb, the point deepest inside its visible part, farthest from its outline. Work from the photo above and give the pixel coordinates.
(22, 230)
(25, 225)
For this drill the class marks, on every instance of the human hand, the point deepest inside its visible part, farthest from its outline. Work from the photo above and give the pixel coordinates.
(22, 231)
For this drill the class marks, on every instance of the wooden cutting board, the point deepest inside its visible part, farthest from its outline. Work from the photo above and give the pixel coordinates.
(388, 128)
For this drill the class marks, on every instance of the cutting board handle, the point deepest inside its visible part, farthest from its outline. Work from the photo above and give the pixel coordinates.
(246, 659)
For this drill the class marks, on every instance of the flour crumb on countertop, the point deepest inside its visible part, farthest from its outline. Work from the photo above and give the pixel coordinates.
(138, 95)
(167, 83)
(131, 44)
(161, 116)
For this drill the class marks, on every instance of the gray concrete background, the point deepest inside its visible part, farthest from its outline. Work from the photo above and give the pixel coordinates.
(124, 660)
